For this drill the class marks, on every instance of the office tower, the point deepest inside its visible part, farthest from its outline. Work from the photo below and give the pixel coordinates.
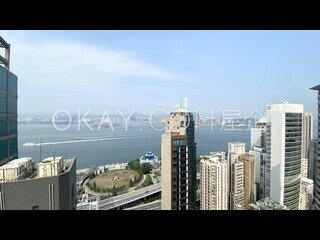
(312, 158)
(258, 133)
(258, 149)
(178, 162)
(306, 199)
(235, 149)
(249, 186)
(317, 169)
(24, 186)
(283, 149)
(8, 107)
(213, 180)
(260, 171)
(306, 138)
(236, 185)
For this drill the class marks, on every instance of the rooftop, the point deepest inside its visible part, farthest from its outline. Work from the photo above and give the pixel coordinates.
(267, 204)
(16, 163)
(33, 173)
(306, 181)
(52, 159)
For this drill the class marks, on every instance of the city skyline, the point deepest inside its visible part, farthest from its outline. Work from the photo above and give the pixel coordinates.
(128, 70)
(272, 174)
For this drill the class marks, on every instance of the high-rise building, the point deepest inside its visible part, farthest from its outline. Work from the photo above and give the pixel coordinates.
(258, 134)
(236, 185)
(178, 162)
(235, 149)
(283, 150)
(317, 169)
(258, 149)
(306, 199)
(30, 189)
(8, 107)
(260, 171)
(213, 181)
(312, 159)
(307, 135)
(248, 161)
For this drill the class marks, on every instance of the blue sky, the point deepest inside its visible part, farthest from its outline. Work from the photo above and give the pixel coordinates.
(149, 70)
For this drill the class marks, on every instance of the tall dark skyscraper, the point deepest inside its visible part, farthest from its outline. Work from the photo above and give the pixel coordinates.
(317, 169)
(178, 162)
(8, 107)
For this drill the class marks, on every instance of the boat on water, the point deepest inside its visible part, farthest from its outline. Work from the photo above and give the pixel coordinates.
(78, 138)
(29, 144)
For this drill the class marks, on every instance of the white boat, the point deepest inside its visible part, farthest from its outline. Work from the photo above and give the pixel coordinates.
(29, 144)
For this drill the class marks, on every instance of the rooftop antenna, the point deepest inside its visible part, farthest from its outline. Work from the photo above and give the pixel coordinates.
(181, 104)
(40, 152)
(185, 103)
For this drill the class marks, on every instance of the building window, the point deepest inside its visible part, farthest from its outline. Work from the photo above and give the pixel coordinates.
(35, 207)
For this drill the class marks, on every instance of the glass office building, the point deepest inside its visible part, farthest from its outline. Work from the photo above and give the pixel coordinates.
(8, 108)
(317, 169)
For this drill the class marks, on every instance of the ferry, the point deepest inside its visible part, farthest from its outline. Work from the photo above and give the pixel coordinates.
(29, 144)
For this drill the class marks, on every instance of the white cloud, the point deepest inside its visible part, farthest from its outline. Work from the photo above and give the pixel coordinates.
(62, 62)
(59, 73)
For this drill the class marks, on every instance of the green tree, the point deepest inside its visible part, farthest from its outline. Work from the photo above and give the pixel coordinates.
(146, 168)
(130, 183)
(114, 191)
(147, 182)
(134, 165)
(94, 184)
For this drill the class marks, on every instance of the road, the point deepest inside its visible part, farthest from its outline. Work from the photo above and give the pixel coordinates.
(129, 197)
(156, 205)
(123, 199)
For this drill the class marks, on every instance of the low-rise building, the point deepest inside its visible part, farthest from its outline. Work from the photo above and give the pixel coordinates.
(149, 157)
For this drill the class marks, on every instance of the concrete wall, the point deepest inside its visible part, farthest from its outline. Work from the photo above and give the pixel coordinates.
(25, 194)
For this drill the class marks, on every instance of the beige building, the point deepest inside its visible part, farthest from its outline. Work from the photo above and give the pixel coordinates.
(249, 177)
(50, 166)
(306, 194)
(178, 162)
(213, 181)
(235, 149)
(237, 185)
